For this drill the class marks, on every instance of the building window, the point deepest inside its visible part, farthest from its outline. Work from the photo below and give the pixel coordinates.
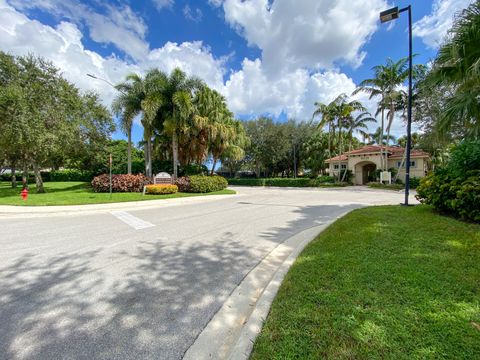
(335, 166)
(344, 166)
(413, 164)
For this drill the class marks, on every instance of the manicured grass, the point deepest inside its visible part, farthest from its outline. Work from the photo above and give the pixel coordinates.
(386, 282)
(77, 193)
(377, 185)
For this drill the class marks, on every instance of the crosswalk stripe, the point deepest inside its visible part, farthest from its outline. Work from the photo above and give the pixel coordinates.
(131, 220)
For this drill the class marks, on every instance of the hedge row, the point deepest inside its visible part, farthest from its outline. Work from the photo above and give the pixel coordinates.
(120, 183)
(55, 175)
(284, 182)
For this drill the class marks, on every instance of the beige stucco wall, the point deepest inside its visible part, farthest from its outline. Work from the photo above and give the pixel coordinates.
(419, 170)
(355, 163)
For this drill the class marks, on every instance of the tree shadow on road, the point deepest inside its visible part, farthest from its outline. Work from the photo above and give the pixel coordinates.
(67, 306)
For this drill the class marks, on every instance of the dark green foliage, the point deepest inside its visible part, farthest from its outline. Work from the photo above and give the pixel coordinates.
(459, 196)
(464, 157)
(414, 182)
(120, 183)
(284, 182)
(456, 189)
(206, 184)
(193, 169)
(70, 175)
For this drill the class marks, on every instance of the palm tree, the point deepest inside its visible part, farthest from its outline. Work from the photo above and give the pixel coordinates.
(127, 105)
(344, 110)
(375, 137)
(458, 65)
(141, 96)
(385, 84)
(358, 124)
(177, 108)
(327, 111)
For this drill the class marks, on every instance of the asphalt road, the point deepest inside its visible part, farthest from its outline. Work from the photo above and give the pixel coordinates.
(92, 286)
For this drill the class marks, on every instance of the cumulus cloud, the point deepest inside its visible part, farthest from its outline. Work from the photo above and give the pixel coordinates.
(119, 26)
(63, 46)
(305, 33)
(433, 28)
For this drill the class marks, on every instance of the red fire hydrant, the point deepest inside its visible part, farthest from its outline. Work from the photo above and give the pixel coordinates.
(24, 194)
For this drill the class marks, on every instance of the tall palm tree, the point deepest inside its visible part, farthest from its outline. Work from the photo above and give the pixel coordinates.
(328, 113)
(127, 105)
(177, 108)
(458, 65)
(344, 110)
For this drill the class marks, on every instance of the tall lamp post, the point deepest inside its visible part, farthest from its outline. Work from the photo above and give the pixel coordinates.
(385, 16)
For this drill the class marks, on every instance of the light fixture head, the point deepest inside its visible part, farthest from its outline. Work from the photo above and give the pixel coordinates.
(390, 14)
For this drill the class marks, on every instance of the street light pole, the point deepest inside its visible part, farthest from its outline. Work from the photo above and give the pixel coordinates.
(388, 15)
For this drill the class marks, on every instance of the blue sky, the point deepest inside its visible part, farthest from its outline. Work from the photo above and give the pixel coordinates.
(272, 57)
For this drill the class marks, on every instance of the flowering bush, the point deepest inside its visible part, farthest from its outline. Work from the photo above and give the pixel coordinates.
(120, 183)
(183, 184)
(160, 189)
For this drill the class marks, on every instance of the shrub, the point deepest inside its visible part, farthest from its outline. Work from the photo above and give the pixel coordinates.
(183, 184)
(247, 182)
(120, 183)
(459, 196)
(378, 185)
(161, 189)
(284, 182)
(414, 182)
(206, 184)
(71, 175)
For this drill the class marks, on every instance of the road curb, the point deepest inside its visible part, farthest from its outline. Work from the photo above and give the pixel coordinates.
(232, 331)
(56, 210)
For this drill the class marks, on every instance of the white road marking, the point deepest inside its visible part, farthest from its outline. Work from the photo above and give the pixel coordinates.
(131, 220)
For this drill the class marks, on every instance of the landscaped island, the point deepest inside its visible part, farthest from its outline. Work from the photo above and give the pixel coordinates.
(79, 193)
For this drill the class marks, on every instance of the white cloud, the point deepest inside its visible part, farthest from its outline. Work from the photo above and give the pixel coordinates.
(119, 26)
(63, 46)
(192, 14)
(161, 4)
(305, 33)
(433, 28)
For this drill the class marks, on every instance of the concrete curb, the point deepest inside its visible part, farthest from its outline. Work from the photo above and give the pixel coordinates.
(231, 333)
(40, 211)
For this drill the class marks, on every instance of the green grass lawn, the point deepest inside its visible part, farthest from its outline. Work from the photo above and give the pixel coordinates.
(386, 282)
(77, 193)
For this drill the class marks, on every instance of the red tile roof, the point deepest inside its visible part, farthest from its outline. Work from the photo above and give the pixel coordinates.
(394, 152)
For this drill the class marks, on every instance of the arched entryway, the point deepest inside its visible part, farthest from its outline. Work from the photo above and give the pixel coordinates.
(364, 172)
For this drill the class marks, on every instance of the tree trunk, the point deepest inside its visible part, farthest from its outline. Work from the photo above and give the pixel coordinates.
(129, 152)
(175, 155)
(213, 166)
(390, 121)
(14, 177)
(145, 153)
(25, 176)
(381, 139)
(38, 179)
(340, 153)
(349, 149)
(149, 145)
(257, 169)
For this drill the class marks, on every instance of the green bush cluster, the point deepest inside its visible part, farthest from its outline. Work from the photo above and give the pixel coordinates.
(284, 182)
(456, 189)
(459, 196)
(55, 175)
(206, 184)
